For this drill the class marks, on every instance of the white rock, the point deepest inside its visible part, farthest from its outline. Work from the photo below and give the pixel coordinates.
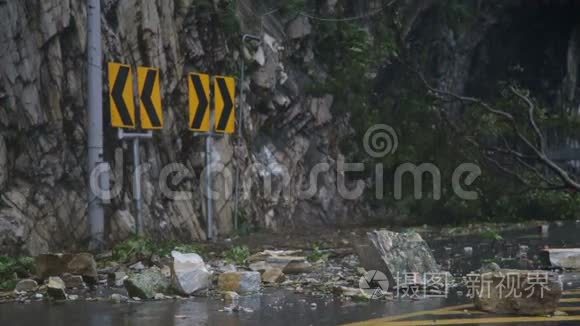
(138, 266)
(568, 258)
(189, 273)
(300, 27)
(260, 56)
(468, 251)
(118, 298)
(55, 288)
(320, 109)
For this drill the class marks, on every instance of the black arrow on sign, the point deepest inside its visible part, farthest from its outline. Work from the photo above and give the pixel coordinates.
(146, 98)
(203, 102)
(228, 104)
(117, 95)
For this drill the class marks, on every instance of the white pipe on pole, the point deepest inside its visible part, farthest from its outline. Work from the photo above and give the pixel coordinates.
(137, 188)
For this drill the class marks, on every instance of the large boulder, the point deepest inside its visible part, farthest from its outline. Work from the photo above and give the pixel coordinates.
(568, 258)
(57, 264)
(189, 273)
(145, 284)
(396, 254)
(240, 282)
(516, 292)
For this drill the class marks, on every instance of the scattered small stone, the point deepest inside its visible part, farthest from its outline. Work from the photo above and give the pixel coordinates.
(259, 266)
(118, 298)
(72, 297)
(84, 264)
(229, 268)
(298, 267)
(138, 266)
(313, 305)
(236, 308)
(490, 267)
(240, 282)
(136, 299)
(38, 296)
(56, 288)
(117, 278)
(231, 296)
(468, 251)
(104, 255)
(159, 296)
(558, 313)
(545, 229)
(273, 275)
(147, 283)
(73, 281)
(354, 293)
(26, 285)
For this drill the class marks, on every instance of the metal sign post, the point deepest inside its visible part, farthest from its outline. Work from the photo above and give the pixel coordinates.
(136, 137)
(208, 186)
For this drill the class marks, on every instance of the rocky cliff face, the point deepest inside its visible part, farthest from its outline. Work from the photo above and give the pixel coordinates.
(43, 121)
(287, 130)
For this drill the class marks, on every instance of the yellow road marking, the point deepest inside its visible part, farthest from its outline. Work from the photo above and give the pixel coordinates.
(458, 312)
(419, 313)
(570, 300)
(569, 308)
(571, 292)
(469, 321)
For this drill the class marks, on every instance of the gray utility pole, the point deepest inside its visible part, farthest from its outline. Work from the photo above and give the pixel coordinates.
(95, 124)
(240, 118)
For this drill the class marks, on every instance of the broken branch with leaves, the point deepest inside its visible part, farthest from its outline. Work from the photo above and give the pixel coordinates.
(535, 145)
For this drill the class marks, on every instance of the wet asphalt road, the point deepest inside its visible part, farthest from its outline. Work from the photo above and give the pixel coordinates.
(272, 308)
(280, 307)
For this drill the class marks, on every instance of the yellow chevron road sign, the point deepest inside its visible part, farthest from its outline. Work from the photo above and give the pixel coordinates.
(225, 92)
(151, 111)
(199, 96)
(121, 99)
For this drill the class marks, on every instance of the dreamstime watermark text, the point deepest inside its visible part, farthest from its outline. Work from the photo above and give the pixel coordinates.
(271, 179)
